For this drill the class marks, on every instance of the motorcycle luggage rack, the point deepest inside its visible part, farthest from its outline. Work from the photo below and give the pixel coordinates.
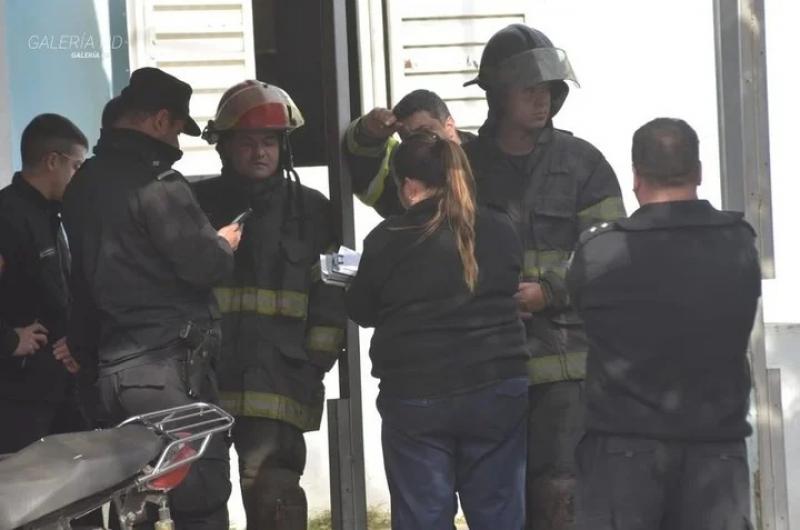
(195, 422)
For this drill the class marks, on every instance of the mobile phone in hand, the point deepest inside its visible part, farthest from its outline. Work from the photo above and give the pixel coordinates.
(242, 217)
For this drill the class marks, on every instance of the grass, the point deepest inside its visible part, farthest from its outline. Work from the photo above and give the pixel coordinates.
(377, 519)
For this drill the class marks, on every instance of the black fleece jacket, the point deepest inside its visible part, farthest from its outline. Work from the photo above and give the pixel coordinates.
(432, 336)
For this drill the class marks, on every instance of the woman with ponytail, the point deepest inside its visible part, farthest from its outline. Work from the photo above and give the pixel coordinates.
(438, 283)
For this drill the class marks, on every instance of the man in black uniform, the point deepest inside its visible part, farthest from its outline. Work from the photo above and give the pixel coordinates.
(37, 392)
(145, 261)
(668, 298)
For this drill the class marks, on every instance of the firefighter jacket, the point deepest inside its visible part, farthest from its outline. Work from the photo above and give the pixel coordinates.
(34, 264)
(282, 327)
(145, 257)
(370, 163)
(562, 187)
(668, 297)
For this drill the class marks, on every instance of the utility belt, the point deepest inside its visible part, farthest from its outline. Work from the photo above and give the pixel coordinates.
(202, 343)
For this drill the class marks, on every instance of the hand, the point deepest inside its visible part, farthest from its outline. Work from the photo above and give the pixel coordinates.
(379, 123)
(232, 234)
(31, 338)
(61, 353)
(531, 299)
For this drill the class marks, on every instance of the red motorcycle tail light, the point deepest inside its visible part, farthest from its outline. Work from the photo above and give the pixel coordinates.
(172, 479)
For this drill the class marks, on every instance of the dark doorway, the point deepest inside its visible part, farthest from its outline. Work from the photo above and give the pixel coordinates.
(288, 48)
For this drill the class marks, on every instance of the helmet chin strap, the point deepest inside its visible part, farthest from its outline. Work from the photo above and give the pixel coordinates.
(295, 199)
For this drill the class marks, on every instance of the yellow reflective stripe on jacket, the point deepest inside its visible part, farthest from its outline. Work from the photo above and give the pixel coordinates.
(262, 301)
(273, 406)
(378, 183)
(609, 209)
(553, 368)
(537, 262)
(325, 339)
(361, 150)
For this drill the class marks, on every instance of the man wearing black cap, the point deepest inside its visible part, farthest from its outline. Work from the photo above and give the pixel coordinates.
(145, 260)
(553, 185)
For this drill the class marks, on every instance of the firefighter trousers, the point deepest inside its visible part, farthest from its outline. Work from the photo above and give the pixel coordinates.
(272, 457)
(555, 426)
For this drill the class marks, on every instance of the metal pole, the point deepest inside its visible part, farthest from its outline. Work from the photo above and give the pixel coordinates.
(745, 178)
(744, 118)
(346, 438)
(778, 449)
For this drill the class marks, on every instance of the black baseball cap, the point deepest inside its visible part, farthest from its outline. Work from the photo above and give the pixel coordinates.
(153, 89)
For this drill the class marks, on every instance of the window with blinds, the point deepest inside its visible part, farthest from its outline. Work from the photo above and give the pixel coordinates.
(208, 44)
(438, 46)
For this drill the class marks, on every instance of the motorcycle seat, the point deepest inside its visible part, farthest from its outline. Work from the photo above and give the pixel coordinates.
(59, 470)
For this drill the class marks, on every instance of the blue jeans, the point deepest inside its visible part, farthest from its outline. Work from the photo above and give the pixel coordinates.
(473, 444)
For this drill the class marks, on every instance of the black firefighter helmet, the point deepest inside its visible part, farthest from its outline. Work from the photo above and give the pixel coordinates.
(520, 55)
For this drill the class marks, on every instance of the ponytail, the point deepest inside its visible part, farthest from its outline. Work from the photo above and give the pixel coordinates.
(457, 205)
(443, 167)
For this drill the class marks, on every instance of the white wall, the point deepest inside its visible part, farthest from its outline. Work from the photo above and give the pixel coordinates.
(783, 351)
(783, 43)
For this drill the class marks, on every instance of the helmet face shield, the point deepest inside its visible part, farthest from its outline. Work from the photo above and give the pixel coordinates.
(529, 68)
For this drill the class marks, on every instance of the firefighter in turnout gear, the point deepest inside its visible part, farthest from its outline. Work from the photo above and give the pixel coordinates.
(283, 329)
(553, 185)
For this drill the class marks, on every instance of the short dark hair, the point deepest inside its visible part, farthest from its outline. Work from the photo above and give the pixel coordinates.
(665, 151)
(421, 100)
(47, 133)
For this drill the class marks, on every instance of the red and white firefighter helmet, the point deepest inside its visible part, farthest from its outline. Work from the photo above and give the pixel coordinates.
(253, 105)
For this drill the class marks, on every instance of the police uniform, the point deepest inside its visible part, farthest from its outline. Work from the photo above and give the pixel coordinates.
(37, 394)
(668, 298)
(145, 259)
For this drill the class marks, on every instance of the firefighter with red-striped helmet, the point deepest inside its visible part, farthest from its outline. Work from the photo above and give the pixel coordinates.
(282, 327)
(256, 108)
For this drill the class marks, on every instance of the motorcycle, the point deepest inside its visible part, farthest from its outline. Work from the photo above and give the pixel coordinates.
(63, 477)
